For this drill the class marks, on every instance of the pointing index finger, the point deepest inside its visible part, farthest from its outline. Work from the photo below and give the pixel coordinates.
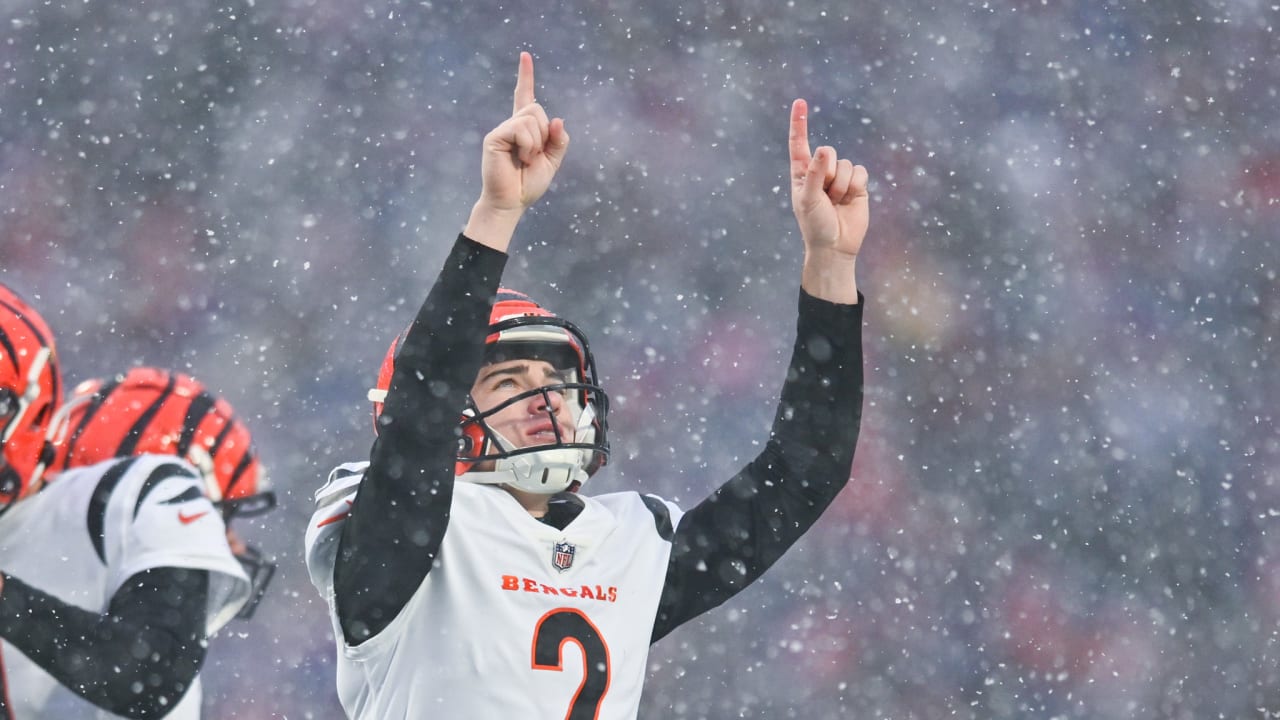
(524, 83)
(798, 141)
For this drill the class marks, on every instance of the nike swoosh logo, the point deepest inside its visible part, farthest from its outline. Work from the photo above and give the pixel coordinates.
(188, 519)
(335, 518)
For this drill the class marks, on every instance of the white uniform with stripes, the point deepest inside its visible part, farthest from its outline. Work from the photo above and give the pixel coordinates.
(82, 550)
(555, 623)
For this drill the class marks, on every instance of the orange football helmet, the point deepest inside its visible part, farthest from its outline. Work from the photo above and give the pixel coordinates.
(30, 395)
(521, 328)
(149, 410)
(153, 411)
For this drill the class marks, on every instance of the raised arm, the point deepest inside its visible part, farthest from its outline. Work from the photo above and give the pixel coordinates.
(731, 538)
(520, 158)
(829, 199)
(393, 532)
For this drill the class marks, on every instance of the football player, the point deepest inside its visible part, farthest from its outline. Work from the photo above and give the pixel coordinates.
(152, 411)
(112, 575)
(467, 574)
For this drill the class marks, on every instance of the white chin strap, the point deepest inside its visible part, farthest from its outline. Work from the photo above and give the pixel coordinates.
(543, 472)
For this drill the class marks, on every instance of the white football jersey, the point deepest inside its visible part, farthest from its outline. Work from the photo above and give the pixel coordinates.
(515, 619)
(79, 539)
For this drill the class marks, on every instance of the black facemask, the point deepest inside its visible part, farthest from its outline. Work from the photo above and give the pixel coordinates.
(260, 571)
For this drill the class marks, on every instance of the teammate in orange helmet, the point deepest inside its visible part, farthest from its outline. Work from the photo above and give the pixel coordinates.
(112, 576)
(466, 576)
(153, 411)
(30, 394)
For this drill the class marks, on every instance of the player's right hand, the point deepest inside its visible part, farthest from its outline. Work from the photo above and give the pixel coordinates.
(828, 193)
(520, 156)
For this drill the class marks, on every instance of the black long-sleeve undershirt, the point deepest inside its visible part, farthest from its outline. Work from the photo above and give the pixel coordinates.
(393, 533)
(401, 511)
(137, 659)
(731, 538)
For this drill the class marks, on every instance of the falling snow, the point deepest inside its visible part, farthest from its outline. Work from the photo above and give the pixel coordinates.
(1064, 498)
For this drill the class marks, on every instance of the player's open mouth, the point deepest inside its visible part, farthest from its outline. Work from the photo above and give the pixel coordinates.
(544, 433)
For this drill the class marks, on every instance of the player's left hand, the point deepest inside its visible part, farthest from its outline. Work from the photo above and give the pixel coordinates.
(828, 193)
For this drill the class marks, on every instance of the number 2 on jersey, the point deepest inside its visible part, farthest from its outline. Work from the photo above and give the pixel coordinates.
(564, 625)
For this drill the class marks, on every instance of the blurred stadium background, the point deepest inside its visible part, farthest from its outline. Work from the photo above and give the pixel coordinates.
(1063, 499)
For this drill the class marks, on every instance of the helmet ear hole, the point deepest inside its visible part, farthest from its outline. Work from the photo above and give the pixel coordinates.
(10, 484)
(471, 436)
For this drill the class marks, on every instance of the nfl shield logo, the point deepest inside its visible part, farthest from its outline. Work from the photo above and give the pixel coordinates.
(562, 555)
